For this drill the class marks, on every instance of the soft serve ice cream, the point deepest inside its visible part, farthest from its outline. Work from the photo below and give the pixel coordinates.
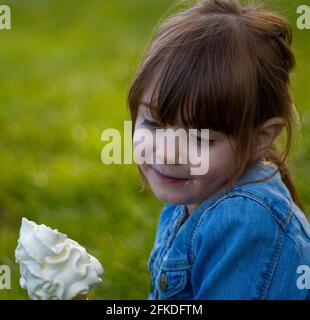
(53, 267)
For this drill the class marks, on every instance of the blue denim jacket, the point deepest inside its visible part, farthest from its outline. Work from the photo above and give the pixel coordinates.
(243, 243)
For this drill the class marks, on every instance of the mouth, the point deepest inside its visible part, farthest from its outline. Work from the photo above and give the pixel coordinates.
(170, 179)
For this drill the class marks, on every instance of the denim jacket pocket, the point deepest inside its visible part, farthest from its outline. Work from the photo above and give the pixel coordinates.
(173, 278)
(170, 283)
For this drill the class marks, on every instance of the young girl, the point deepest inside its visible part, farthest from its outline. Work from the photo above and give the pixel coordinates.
(238, 231)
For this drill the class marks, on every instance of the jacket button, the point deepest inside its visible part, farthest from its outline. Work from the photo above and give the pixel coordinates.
(163, 282)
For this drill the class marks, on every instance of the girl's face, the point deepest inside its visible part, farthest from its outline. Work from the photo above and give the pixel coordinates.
(174, 183)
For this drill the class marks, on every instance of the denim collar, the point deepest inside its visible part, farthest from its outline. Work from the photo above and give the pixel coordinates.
(261, 169)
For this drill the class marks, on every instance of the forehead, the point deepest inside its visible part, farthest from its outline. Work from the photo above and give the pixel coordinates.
(146, 105)
(147, 95)
(145, 108)
(151, 94)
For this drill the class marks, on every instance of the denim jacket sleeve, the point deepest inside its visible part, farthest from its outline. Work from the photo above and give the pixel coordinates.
(237, 248)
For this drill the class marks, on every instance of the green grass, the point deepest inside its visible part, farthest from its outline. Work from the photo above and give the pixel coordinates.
(65, 68)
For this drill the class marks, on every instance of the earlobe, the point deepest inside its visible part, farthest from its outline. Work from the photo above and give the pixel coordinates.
(268, 132)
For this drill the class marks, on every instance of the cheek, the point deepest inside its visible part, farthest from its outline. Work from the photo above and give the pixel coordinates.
(221, 165)
(222, 160)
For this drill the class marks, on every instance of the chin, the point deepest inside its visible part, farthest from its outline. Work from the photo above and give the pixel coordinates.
(169, 197)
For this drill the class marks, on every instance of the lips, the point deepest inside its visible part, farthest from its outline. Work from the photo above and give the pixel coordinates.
(169, 178)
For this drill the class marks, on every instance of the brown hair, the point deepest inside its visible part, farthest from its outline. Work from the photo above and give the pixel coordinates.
(225, 67)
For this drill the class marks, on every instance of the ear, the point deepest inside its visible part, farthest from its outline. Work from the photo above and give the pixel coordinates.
(267, 133)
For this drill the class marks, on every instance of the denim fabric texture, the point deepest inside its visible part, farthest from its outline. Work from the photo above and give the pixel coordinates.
(242, 243)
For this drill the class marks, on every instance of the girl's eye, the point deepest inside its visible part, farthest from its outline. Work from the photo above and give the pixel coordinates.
(150, 123)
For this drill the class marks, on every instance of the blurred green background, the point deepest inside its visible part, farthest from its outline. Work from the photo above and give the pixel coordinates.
(65, 68)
